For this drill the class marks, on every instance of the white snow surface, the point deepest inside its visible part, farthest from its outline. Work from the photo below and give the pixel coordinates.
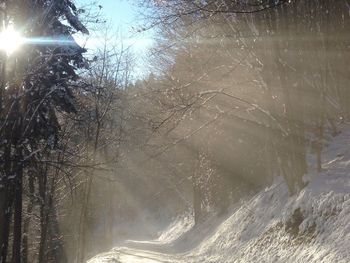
(313, 226)
(181, 225)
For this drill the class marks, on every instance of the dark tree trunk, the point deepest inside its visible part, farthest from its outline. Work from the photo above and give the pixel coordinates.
(6, 200)
(56, 252)
(5, 216)
(26, 222)
(17, 225)
(17, 221)
(44, 215)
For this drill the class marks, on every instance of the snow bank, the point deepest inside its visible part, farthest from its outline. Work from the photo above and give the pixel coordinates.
(313, 226)
(179, 227)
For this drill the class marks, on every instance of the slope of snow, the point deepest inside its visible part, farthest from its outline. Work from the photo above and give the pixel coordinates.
(313, 226)
(180, 226)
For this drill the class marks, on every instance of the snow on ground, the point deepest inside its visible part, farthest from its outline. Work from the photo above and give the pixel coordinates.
(313, 226)
(174, 231)
(177, 229)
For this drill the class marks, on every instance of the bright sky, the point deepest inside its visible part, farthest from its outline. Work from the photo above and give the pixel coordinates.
(122, 15)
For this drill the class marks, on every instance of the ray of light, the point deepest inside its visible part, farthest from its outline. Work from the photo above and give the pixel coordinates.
(49, 41)
(11, 40)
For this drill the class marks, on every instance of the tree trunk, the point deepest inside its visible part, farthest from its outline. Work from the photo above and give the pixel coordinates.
(56, 252)
(44, 216)
(6, 201)
(5, 216)
(284, 19)
(26, 222)
(83, 220)
(17, 225)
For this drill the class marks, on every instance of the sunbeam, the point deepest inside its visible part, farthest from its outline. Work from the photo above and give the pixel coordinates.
(11, 40)
(49, 41)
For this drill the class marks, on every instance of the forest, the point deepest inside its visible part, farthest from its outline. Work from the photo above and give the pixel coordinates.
(233, 96)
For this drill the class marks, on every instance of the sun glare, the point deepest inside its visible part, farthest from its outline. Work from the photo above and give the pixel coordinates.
(10, 40)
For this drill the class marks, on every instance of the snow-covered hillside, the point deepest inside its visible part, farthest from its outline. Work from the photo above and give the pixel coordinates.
(313, 226)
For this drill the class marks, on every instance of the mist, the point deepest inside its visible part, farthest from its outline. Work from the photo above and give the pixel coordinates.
(235, 119)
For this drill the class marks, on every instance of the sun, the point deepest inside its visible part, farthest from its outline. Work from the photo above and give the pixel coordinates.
(10, 40)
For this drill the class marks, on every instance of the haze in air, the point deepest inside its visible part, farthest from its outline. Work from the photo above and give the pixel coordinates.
(174, 131)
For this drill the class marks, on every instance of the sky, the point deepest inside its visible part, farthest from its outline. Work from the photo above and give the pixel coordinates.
(121, 14)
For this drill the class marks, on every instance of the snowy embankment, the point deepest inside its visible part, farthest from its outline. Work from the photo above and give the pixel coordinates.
(173, 232)
(313, 226)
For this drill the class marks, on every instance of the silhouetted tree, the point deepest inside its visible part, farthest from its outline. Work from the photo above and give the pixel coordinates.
(36, 84)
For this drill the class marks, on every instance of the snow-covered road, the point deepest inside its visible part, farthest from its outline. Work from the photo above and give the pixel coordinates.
(129, 255)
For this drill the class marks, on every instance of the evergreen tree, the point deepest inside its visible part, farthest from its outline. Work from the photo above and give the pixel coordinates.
(36, 84)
